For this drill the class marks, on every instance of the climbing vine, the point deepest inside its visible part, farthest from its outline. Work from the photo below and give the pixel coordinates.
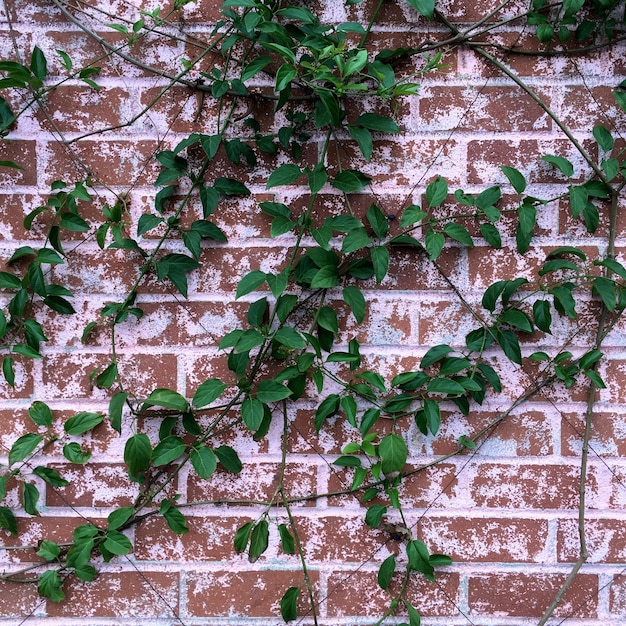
(328, 88)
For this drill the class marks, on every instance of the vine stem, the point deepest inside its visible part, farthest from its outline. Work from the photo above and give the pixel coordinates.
(292, 523)
(603, 327)
(522, 85)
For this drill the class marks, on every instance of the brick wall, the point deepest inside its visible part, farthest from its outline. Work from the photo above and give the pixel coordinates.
(507, 514)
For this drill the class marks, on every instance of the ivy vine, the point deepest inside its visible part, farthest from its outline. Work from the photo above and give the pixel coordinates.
(328, 88)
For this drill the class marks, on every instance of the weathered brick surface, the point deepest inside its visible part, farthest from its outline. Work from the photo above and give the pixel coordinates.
(506, 512)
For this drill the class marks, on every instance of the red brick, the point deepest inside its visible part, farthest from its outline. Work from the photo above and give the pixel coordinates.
(357, 594)
(24, 153)
(492, 109)
(68, 375)
(209, 538)
(607, 439)
(618, 487)
(331, 539)
(486, 539)
(94, 484)
(584, 108)
(525, 433)
(257, 482)
(20, 599)
(246, 593)
(436, 486)
(114, 162)
(486, 156)
(114, 594)
(83, 109)
(605, 538)
(24, 382)
(618, 596)
(543, 486)
(400, 163)
(528, 595)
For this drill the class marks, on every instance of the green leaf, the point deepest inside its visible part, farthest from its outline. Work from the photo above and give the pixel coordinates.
(40, 413)
(377, 221)
(137, 453)
(255, 66)
(168, 399)
(515, 177)
(491, 235)
(380, 261)
(605, 288)
(38, 64)
(517, 318)
(175, 267)
(117, 543)
(509, 343)
(561, 163)
(23, 447)
(437, 191)
(74, 453)
(434, 242)
(51, 476)
(542, 315)
(242, 536)
(119, 517)
(49, 586)
(147, 222)
(116, 406)
(286, 539)
(271, 391)
(7, 370)
(595, 378)
(49, 550)
(604, 138)
(168, 450)
(393, 452)
(204, 461)
(445, 385)
(31, 497)
(374, 515)
(208, 392)
(434, 354)
(414, 616)
(252, 413)
(250, 282)
(459, 233)
(288, 604)
(564, 302)
(363, 137)
(427, 9)
(8, 520)
(326, 277)
(527, 215)
(9, 281)
(284, 175)
(290, 338)
(353, 297)
(386, 571)
(174, 518)
(350, 181)
(74, 223)
(432, 415)
(328, 408)
(229, 459)
(411, 215)
(230, 187)
(379, 123)
(355, 239)
(107, 377)
(258, 540)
